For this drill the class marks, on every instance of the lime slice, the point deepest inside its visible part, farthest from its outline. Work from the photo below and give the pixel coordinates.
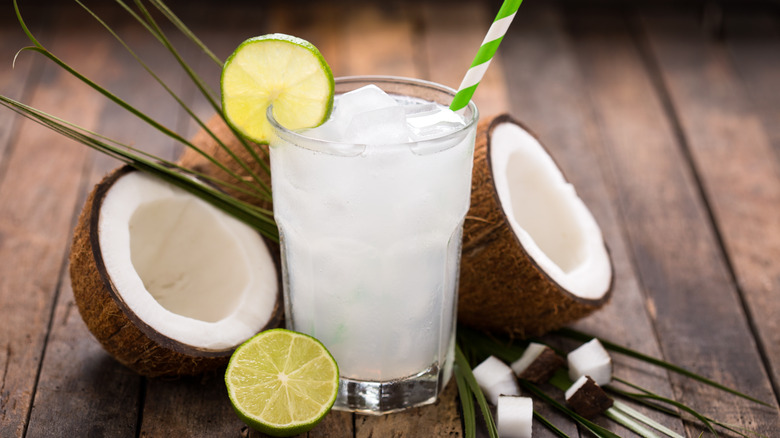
(280, 70)
(281, 382)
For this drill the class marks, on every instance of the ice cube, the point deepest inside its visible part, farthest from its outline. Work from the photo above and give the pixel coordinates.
(358, 101)
(431, 120)
(438, 129)
(427, 123)
(414, 110)
(380, 126)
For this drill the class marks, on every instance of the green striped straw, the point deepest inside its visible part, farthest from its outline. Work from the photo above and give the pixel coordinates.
(485, 54)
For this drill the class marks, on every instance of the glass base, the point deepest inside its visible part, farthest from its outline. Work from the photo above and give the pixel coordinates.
(379, 398)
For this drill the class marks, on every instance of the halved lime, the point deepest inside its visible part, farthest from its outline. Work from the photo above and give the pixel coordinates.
(281, 382)
(280, 70)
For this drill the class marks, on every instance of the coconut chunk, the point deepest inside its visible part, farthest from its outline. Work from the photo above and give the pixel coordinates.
(514, 416)
(537, 364)
(496, 378)
(587, 398)
(591, 359)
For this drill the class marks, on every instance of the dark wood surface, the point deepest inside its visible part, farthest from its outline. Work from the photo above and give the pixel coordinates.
(665, 118)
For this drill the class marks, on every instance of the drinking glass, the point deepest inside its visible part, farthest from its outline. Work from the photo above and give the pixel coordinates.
(370, 240)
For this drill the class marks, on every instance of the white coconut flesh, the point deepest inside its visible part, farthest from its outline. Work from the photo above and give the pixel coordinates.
(552, 223)
(188, 270)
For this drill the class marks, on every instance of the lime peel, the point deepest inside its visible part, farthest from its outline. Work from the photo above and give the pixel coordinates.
(277, 70)
(282, 383)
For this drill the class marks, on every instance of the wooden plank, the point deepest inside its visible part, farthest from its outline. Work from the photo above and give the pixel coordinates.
(35, 219)
(550, 95)
(319, 23)
(76, 374)
(15, 82)
(448, 37)
(210, 24)
(440, 419)
(737, 167)
(38, 194)
(198, 406)
(451, 34)
(81, 391)
(189, 406)
(753, 42)
(698, 317)
(378, 39)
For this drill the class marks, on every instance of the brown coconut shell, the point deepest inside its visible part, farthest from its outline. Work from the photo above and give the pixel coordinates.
(121, 332)
(590, 400)
(543, 367)
(502, 289)
(192, 159)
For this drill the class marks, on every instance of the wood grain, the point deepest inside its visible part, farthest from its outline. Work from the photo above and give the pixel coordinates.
(15, 82)
(74, 363)
(751, 41)
(441, 419)
(659, 198)
(727, 128)
(551, 95)
(379, 39)
(38, 196)
(451, 34)
(667, 128)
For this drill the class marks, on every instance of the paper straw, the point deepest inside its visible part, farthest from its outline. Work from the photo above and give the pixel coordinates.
(485, 54)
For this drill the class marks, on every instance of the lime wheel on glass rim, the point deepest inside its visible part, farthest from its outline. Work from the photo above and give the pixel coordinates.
(276, 70)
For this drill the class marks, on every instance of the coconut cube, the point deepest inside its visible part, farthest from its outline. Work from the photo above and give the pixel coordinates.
(514, 416)
(537, 364)
(591, 359)
(496, 378)
(587, 398)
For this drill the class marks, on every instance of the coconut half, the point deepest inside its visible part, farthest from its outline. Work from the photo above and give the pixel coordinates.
(166, 282)
(534, 258)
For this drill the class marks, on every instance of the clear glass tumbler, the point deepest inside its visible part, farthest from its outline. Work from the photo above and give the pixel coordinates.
(370, 237)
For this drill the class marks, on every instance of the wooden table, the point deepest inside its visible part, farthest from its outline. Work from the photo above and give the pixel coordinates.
(665, 118)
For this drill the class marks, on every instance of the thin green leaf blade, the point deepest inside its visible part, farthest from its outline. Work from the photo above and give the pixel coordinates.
(584, 422)
(549, 425)
(465, 368)
(629, 423)
(577, 335)
(633, 413)
(162, 169)
(466, 405)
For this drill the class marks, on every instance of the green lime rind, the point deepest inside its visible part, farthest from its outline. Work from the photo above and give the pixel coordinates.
(260, 399)
(280, 70)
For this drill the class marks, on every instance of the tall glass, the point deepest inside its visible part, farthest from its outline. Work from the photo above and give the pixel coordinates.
(370, 237)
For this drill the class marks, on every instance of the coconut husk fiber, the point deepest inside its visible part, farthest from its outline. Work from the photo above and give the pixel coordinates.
(122, 333)
(502, 289)
(191, 159)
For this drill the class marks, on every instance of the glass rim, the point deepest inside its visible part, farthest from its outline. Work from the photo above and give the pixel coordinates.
(299, 139)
